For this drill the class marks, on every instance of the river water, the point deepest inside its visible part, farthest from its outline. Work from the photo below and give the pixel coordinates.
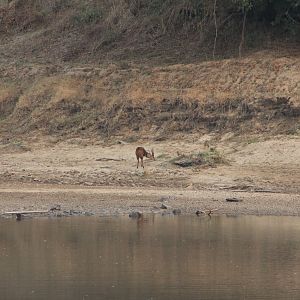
(157, 257)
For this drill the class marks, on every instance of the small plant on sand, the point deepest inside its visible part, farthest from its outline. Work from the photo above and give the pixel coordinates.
(17, 146)
(208, 158)
(252, 140)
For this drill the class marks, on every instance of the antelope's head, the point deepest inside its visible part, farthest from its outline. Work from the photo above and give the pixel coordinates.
(150, 155)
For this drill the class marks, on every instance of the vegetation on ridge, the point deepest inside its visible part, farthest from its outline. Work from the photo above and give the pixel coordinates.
(209, 27)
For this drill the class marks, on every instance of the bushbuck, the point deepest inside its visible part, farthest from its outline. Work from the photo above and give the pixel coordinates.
(140, 152)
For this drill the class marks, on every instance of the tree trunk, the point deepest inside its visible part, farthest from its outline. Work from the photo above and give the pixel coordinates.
(243, 34)
(216, 29)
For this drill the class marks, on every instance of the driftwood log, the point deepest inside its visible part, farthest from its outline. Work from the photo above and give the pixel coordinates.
(233, 200)
(23, 212)
(20, 213)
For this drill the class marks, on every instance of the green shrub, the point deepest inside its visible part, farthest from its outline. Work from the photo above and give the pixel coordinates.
(207, 158)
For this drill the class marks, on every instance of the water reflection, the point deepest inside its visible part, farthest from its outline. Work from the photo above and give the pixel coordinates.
(151, 258)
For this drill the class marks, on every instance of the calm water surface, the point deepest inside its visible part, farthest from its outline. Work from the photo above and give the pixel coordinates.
(154, 258)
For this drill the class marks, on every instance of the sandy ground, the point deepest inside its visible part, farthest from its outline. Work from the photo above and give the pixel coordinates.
(103, 179)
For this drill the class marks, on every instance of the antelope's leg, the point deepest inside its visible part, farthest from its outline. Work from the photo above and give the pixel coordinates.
(142, 162)
(137, 166)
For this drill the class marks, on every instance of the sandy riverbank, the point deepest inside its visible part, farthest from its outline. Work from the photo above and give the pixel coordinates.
(102, 179)
(112, 201)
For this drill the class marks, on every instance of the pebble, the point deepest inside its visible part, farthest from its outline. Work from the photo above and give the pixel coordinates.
(135, 215)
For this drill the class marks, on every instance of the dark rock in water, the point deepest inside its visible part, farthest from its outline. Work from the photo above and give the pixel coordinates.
(75, 212)
(135, 215)
(163, 206)
(68, 213)
(18, 217)
(177, 211)
(88, 214)
(233, 200)
(55, 207)
(166, 213)
(72, 212)
(200, 212)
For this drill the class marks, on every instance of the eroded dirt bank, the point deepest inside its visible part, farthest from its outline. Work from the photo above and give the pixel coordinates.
(258, 94)
(103, 179)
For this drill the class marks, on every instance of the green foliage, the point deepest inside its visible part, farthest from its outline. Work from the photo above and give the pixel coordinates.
(281, 15)
(287, 15)
(244, 5)
(208, 158)
(150, 20)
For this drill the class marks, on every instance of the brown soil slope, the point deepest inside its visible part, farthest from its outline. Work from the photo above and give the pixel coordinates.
(260, 93)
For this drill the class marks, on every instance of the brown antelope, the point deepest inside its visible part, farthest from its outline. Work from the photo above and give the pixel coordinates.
(140, 152)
